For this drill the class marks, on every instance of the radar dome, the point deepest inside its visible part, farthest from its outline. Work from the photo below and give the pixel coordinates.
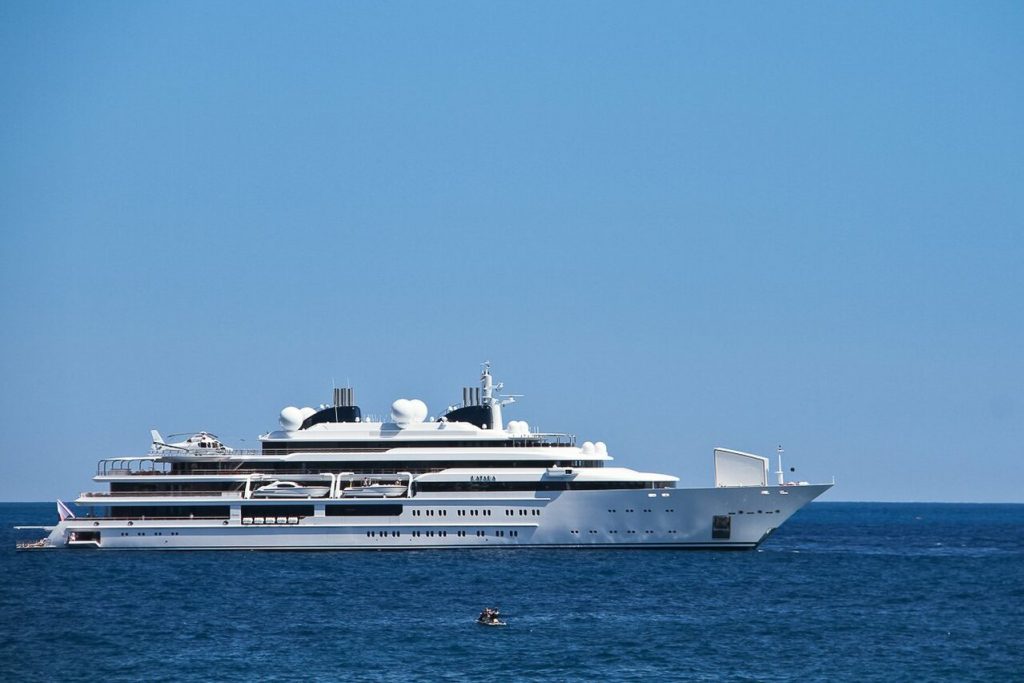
(587, 448)
(307, 412)
(518, 428)
(291, 418)
(405, 412)
(601, 448)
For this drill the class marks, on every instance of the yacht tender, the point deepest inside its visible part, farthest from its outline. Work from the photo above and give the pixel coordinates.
(289, 489)
(331, 479)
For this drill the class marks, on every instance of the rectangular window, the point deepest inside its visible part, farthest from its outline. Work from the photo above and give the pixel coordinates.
(171, 511)
(277, 510)
(386, 510)
(447, 486)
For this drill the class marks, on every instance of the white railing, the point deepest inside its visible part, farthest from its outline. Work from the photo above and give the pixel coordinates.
(155, 463)
(160, 494)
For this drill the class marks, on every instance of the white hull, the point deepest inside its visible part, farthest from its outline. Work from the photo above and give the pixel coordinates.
(373, 491)
(294, 494)
(643, 518)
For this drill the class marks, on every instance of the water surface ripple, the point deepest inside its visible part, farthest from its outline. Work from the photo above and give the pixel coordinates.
(894, 592)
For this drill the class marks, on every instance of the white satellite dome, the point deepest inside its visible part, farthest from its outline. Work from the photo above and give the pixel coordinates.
(518, 427)
(405, 412)
(307, 412)
(419, 410)
(601, 448)
(291, 418)
(587, 448)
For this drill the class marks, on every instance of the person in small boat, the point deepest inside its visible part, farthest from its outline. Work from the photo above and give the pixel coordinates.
(490, 615)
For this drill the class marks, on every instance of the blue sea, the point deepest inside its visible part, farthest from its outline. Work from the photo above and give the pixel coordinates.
(849, 591)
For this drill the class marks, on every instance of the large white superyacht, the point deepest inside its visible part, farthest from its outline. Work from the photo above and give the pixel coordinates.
(332, 479)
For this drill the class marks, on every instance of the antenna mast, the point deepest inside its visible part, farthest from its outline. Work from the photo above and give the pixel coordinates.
(778, 472)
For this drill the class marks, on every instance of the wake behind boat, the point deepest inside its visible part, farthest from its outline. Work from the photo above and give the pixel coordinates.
(330, 478)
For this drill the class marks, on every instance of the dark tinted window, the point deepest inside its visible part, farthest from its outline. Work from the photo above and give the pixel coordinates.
(333, 414)
(277, 510)
(382, 466)
(477, 415)
(530, 485)
(721, 527)
(178, 511)
(342, 510)
(284, 447)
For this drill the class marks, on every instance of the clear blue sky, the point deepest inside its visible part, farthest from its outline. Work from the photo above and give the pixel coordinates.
(670, 225)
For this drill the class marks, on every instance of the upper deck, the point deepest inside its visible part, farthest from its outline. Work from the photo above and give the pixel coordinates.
(477, 419)
(470, 434)
(423, 457)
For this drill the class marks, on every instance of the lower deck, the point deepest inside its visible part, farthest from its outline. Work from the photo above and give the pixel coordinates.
(739, 517)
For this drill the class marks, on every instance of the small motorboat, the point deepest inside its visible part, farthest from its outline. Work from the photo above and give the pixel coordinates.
(368, 490)
(493, 622)
(289, 489)
(490, 617)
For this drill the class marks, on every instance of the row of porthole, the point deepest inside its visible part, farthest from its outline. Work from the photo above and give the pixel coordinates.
(759, 512)
(155, 533)
(430, 533)
(464, 513)
(522, 513)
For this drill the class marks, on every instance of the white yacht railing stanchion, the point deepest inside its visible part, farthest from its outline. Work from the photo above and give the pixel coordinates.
(408, 489)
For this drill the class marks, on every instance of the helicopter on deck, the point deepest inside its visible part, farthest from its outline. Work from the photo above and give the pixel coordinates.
(197, 442)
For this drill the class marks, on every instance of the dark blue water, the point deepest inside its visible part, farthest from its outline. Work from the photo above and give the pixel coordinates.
(848, 591)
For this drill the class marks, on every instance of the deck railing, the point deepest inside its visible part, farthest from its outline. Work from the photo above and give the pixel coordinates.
(155, 463)
(160, 494)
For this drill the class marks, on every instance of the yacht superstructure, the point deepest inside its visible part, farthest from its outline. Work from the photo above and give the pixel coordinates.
(331, 479)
